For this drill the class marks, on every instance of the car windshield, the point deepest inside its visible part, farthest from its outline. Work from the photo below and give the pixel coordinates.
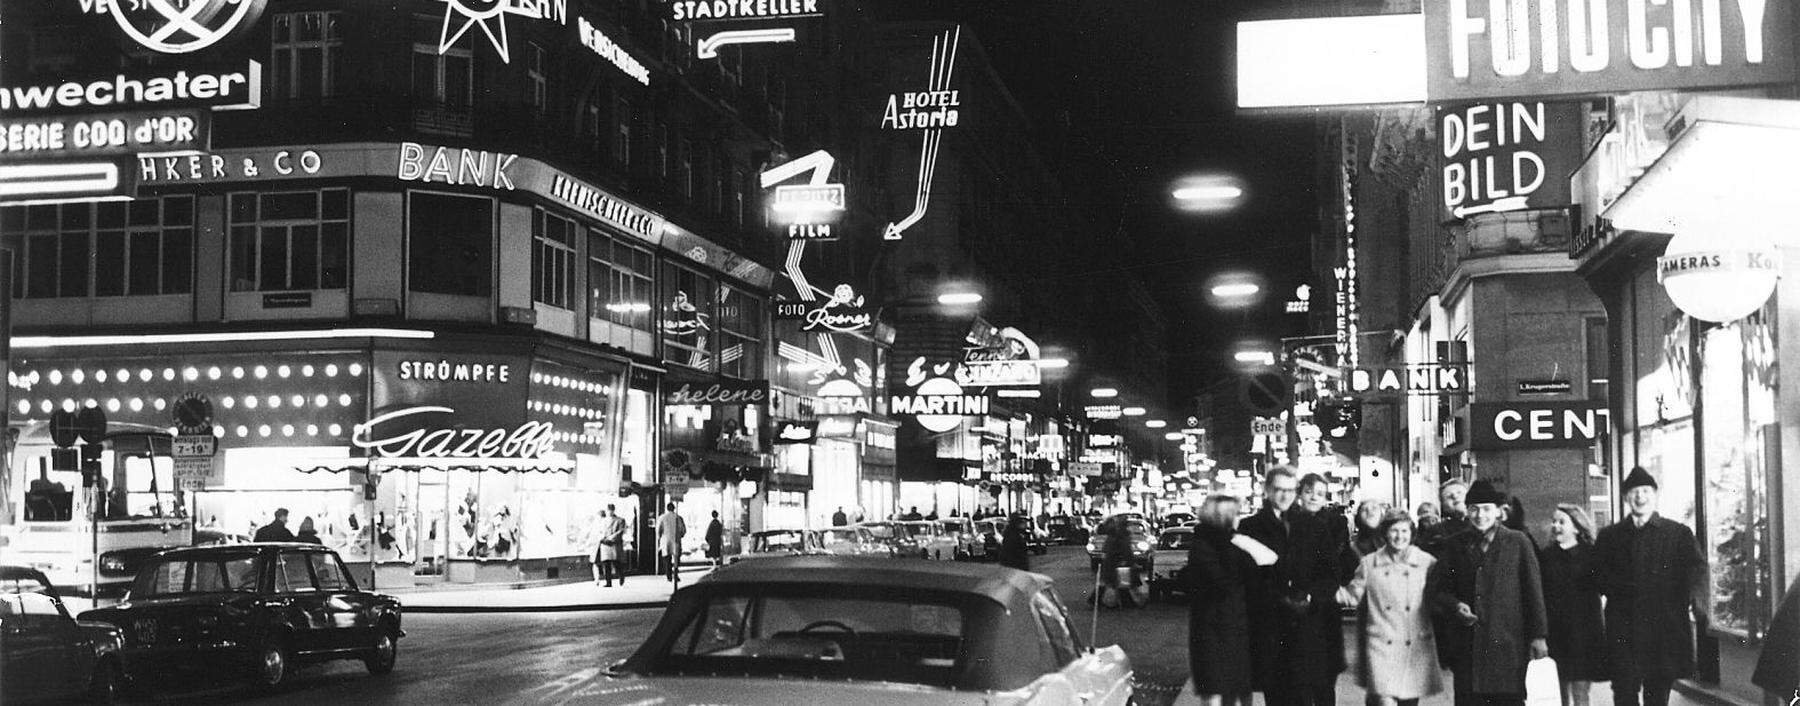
(779, 542)
(886, 637)
(197, 574)
(839, 536)
(1175, 540)
(26, 595)
(880, 531)
(917, 530)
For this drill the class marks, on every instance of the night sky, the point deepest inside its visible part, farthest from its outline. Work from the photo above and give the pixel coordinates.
(1149, 94)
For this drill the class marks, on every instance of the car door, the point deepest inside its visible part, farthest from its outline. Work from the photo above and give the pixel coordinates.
(350, 612)
(1101, 676)
(40, 642)
(302, 604)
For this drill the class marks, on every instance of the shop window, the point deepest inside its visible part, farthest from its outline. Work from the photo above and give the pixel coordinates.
(446, 79)
(450, 244)
(621, 282)
(536, 77)
(553, 259)
(1740, 451)
(290, 240)
(740, 333)
(306, 51)
(687, 317)
(108, 249)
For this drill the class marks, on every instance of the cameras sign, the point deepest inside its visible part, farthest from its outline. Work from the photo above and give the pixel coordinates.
(1507, 156)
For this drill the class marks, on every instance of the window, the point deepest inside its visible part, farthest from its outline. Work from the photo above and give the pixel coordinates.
(447, 79)
(687, 317)
(307, 50)
(292, 575)
(621, 131)
(740, 333)
(620, 281)
(226, 572)
(553, 259)
(661, 138)
(684, 161)
(721, 183)
(290, 240)
(450, 244)
(329, 573)
(537, 78)
(107, 249)
(594, 124)
(739, 204)
(1055, 621)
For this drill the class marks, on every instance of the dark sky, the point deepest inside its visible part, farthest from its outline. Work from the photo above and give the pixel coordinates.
(1148, 86)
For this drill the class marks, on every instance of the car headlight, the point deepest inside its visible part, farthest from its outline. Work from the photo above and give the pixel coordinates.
(112, 563)
(1143, 546)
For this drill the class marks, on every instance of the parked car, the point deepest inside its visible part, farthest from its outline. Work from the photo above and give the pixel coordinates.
(840, 630)
(266, 608)
(1177, 519)
(968, 539)
(890, 535)
(1142, 544)
(929, 538)
(1066, 529)
(780, 542)
(993, 529)
(853, 541)
(1169, 560)
(45, 653)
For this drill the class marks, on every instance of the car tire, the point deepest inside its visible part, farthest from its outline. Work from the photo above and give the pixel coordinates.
(274, 664)
(107, 683)
(381, 657)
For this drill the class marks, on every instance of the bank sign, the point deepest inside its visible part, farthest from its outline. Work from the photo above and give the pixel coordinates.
(1478, 49)
(1504, 426)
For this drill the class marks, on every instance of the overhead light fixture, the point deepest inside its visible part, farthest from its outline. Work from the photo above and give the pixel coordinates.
(959, 298)
(1053, 363)
(1263, 357)
(1134, 411)
(1220, 192)
(1236, 289)
(1020, 393)
(1155, 423)
(1104, 392)
(1173, 436)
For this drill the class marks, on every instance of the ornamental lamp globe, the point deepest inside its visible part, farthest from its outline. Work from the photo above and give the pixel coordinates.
(1719, 272)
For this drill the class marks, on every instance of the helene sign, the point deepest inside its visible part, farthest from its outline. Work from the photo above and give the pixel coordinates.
(1478, 50)
(1501, 426)
(1507, 156)
(721, 392)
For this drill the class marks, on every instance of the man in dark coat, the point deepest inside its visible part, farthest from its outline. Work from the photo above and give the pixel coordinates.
(1013, 550)
(1291, 660)
(1778, 667)
(276, 530)
(1455, 519)
(1650, 570)
(715, 539)
(1494, 595)
(839, 519)
(1341, 561)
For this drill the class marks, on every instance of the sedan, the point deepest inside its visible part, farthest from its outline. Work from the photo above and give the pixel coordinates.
(931, 539)
(839, 630)
(1142, 554)
(781, 542)
(1169, 559)
(266, 608)
(853, 541)
(46, 654)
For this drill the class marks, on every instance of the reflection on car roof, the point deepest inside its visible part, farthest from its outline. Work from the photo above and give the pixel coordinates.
(1008, 587)
(243, 548)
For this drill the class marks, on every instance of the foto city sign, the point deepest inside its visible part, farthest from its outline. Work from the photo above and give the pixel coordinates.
(720, 392)
(844, 312)
(1478, 50)
(1428, 379)
(1507, 156)
(1500, 426)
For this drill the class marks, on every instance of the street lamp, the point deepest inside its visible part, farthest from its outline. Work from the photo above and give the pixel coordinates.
(1235, 289)
(1207, 193)
(1155, 424)
(1173, 436)
(1104, 392)
(1262, 357)
(959, 298)
(1134, 411)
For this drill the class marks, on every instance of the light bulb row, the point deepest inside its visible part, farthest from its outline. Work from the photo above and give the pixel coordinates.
(568, 383)
(78, 376)
(565, 409)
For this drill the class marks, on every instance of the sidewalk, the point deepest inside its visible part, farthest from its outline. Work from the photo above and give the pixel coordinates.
(638, 592)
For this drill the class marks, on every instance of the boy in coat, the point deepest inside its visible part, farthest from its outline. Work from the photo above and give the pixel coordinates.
(1292, 658)
(1495, 604)
(1650, 570)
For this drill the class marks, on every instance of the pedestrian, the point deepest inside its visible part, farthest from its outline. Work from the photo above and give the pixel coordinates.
(1426, 516)
(1218, 618)
(912, 514)
(1118, 562)
(1514, 518)
(308, 533)
(715, 539)
(276, 530)
(1452, 518)
(606, 553)
(1291, 659)
(839, 519)
(1778, 667)
(1577, 629)
(670, 530)
(1368, 535)
(1392, 591)
(1013, 551)
(1491, 582)
(1650, 570)
(1339, 567)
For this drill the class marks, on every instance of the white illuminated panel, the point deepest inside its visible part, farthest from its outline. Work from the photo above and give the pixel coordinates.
(57, 179)
(1331, 61)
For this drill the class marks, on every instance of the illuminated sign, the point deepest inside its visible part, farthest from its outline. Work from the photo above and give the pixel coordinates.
(1478, 50)
(491, 16)
(724, 391)
(58, 181)
(694, 10)
(104, 134)
(1302, 301)
(880, 438)
(842, 313)
(1545, 387)
(811, 231)
(230, 166)
(604, 206)
(842, 405)
(442, 370)
(796, 199)
(1009, 358)
(1348, 314)
(937, 104)
(837, 427)
(529, 440)
(179, 27)
(796, 432)
(1500, 426)
(1103, 411)
(937, 402)
(708, 48)
(1430, 379)
(1105, 441)
(1508, 156)
(181, 89)
(455, 166)
(609, 50)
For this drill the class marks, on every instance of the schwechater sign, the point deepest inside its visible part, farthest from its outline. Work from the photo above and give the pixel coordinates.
(724, 391)
(1503, 426)
(1502, 48)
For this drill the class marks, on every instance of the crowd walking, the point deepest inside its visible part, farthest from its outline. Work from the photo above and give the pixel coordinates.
(1461, 587)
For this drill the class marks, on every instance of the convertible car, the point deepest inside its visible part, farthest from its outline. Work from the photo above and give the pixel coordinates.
(824, 629)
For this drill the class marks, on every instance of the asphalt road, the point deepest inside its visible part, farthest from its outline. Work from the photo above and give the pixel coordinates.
(532, 657)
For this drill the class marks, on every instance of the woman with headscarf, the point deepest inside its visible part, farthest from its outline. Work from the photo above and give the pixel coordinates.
(1572, 604)
(1218, 619)
(308, 532)
(1393, 591)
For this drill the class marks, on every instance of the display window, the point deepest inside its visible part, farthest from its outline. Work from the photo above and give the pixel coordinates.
(1738, 389)
(834, 482)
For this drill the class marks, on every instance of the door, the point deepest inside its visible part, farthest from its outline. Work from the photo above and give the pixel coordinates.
(302, 604)
(1100, 676)
(349, 612)
(35, 641)
(432, 530)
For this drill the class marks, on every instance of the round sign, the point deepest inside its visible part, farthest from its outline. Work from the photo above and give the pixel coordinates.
(92, 423)
(64, 429)
(940, 423)
(1718, 275)
(193, 413)
(180, 28)
(1265, 393)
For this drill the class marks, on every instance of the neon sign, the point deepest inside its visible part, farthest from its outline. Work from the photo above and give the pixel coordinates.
(480, 12)
(105, 134)
(179, 27)
(940, 97)
(937, 402)
(1010, 358)
(708, 48)
(842, 313)
(609, 50)
(221, 90)
(458, 167)
(527, 441)
(686, 10)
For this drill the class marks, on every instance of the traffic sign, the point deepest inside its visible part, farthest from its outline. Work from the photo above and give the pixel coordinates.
(1265, 393)
(193, 414)
(1268, 426)
(193, 472)
(90, 423)
(194, 446)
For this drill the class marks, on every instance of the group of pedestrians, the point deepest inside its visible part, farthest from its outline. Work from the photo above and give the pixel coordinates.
(1465, 592)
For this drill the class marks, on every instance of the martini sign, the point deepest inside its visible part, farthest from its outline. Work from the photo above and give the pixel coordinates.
(936, 401)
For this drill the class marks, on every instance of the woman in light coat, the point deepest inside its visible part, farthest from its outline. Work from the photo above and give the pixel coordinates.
(1396, 650)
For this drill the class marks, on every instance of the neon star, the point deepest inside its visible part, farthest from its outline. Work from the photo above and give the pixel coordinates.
(479, 12)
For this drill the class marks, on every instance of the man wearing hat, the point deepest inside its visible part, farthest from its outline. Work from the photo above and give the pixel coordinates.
(1492, 592)
(1650, 570)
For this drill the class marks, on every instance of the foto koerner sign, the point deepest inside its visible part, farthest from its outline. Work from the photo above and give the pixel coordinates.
(1479, 49)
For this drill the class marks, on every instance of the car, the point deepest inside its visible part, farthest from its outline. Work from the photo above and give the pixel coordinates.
(1066, 529)
(968, 539)
(45, 653)
(779, 542)
(1178, 519)
(993, 529)
(841, 630)
(929, 538)
(266, 608)
(853, 541)
(1142, 553)
(1169, 560)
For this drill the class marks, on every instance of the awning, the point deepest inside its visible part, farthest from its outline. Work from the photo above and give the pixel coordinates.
(385, 465)
(1732, 159)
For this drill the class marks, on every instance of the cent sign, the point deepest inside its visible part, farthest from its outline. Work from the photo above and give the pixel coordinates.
(1502, 426)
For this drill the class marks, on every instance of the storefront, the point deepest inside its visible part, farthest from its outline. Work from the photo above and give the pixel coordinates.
(1687, 258)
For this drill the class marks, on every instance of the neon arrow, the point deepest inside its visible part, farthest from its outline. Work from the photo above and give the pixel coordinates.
(709, 47)
(943, 65)
(1510, 203)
